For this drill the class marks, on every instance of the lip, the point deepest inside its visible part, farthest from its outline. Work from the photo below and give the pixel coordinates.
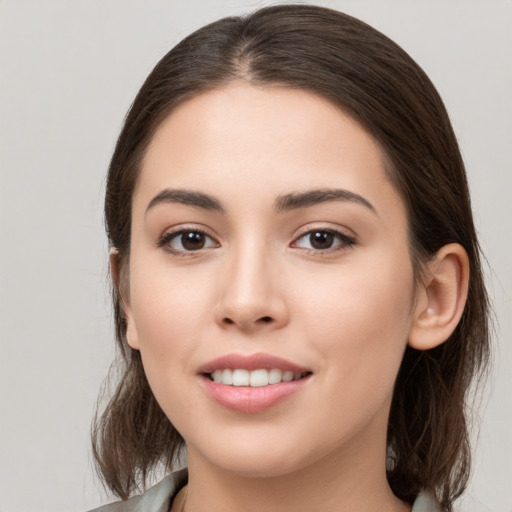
(247, 399)
(251, 362)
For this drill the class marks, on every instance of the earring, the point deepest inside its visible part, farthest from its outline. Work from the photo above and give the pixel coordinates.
(430, 311)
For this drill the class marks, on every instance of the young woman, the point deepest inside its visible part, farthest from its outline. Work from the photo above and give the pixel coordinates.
(297, 285)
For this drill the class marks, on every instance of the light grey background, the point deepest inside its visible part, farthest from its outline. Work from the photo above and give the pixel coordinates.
(68, 72)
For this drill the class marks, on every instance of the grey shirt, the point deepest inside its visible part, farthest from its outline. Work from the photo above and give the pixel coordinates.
(160, 497)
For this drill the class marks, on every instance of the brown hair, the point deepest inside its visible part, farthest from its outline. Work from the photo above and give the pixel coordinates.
(374, 80)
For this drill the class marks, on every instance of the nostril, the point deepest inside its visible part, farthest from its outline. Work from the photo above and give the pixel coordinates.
(264, 319)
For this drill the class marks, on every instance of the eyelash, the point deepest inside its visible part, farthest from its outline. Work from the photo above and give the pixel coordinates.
(345, 241)
(167, 238)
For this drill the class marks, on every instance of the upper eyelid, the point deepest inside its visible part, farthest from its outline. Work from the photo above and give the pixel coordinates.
(336, 232)
(180, 228)
(321, 226)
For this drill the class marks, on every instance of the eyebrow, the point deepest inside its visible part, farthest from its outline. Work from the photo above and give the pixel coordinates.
(188, 197)
(298, 200)
(283, 203)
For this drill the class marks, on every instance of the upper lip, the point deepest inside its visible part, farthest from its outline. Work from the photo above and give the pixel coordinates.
(250, 362)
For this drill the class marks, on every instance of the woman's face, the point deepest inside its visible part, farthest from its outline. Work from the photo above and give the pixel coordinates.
(266, 235)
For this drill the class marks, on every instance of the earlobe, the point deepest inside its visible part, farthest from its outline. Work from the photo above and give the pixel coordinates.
(120, 279)
(441, 302)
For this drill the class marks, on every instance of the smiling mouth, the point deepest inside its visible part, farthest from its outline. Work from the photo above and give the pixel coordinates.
(256, 378)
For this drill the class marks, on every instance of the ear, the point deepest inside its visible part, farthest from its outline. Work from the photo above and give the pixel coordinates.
(441, 300)
(121, 282)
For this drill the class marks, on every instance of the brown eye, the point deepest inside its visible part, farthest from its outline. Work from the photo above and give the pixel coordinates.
(186, 240)
(323, 240)
(192, 240)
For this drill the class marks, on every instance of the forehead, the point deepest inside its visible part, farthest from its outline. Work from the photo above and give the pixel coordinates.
(257, 141)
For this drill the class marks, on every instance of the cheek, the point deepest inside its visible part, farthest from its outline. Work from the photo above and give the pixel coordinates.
(359, 320)
(170, 314)
(170, 311)
(362, 293)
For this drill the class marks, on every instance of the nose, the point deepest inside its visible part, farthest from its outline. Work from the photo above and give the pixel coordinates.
(252, 295)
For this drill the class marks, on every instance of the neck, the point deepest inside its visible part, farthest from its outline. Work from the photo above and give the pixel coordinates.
(337, 483)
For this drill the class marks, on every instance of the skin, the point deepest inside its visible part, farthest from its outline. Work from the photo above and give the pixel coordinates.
(258, 286)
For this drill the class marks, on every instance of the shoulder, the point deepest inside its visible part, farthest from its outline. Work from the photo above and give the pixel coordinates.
(425, 503)
(156, 499)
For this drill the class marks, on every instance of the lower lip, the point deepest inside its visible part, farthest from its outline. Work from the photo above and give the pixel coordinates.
(252, 399)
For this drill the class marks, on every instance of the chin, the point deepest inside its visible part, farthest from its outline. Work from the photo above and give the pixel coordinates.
(256, 456)
(262, 466)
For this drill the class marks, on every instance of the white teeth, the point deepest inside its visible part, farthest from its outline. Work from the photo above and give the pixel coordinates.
(258, 378)
(240, 378)
(275, 376)
(227, 377)
(255, 378)
(287, 376)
